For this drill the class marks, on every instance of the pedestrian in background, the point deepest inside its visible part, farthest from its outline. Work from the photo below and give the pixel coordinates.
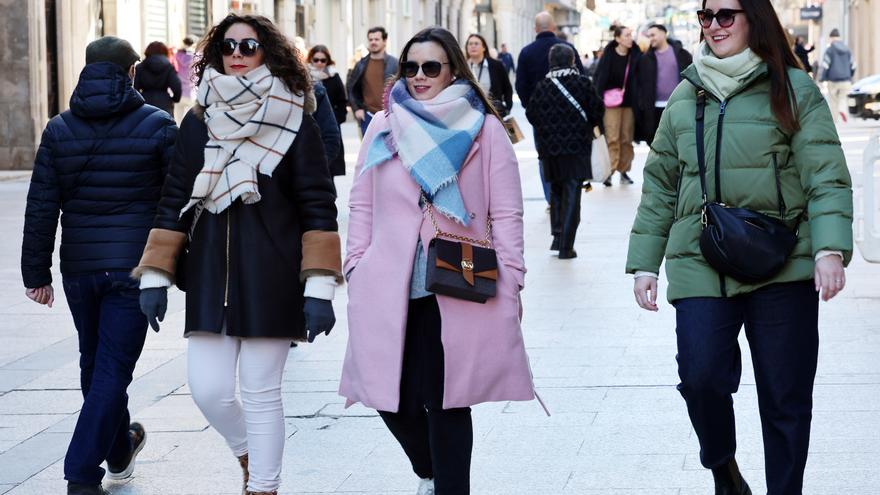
(564, 109)
(101, 165)
(366, 84)
(323, 114)
(838, 69)
(156, 78)
(490, 74)
(322, 68)
(594, 64)
(507, 60)
(658, 75)
(423, 359)
(533, 65)
(771, 147)
(616, 81)
(246, 299)
(184, 57)
(803, 53)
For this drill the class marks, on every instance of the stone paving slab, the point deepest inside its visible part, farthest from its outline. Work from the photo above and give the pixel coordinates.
(605, 368)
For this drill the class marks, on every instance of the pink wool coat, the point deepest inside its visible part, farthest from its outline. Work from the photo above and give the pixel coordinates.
(483, 345)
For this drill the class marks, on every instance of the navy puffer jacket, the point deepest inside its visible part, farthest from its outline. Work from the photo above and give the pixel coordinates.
(101, 164)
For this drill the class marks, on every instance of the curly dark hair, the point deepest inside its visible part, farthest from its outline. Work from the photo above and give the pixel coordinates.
(279, 54)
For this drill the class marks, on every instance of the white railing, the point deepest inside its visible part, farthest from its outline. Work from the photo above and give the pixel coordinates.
(867, 207)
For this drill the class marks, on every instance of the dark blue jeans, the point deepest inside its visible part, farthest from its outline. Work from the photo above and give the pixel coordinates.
(111, 331)
(544, 184)
(368, 117)
(781, 323)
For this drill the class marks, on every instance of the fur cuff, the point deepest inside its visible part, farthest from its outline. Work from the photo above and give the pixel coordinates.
(310, 103)
(163, 247)
(321, 254)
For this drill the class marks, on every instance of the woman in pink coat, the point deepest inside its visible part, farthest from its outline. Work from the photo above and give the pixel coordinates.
(422, 359)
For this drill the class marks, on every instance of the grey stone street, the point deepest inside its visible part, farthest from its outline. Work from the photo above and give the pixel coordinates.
(605, 368)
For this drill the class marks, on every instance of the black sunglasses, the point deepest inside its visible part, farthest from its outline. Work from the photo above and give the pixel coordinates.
(725, 17)
(317, 60)
(247, 47)
(429, 69)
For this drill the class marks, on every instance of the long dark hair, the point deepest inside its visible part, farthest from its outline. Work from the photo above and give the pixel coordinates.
(457, 61)
(482, 41)
(279, 54)
(768, 40)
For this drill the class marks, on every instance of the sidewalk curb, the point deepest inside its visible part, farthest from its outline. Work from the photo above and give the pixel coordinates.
(15, 176)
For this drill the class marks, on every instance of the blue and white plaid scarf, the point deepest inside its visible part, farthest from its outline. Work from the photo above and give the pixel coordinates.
(432, 138)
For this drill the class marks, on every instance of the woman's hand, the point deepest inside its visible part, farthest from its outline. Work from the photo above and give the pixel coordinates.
(829, 275)
(645, 289)
(42, 295)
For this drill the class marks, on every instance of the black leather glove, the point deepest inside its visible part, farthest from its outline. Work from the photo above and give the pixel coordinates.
(154, 302)
(319, 316)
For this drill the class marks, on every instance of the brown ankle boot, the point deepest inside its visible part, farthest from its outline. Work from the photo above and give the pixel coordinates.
(243, 462)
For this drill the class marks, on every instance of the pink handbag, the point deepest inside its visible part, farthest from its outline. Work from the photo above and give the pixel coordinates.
(613, 97)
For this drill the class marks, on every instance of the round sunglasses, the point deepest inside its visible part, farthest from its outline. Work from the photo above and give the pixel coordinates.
(246, 47)
(430, 68)
(319, 60)
(725, 17)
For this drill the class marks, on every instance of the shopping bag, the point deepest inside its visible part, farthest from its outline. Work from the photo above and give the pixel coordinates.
(513, 131)
(600, 160)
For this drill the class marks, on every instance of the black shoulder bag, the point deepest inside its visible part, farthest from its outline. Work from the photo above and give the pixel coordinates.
(746, 245)
(459, 266)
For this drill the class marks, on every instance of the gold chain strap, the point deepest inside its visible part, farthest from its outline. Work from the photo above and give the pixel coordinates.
(486, 243)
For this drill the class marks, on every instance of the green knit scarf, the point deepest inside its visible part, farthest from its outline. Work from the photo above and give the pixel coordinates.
(723, 76)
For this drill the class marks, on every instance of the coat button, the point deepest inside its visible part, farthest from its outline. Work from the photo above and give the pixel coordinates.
(473, 215)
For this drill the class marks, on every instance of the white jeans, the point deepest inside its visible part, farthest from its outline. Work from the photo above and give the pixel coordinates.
(254, 426)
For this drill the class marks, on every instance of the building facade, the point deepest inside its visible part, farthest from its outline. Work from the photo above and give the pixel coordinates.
(864, 38)
(47, 53)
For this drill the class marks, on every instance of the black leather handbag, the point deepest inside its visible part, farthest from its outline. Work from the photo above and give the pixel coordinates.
(743, 244)
(461, 267)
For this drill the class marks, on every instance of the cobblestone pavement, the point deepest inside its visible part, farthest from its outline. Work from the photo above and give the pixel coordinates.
(605, 368)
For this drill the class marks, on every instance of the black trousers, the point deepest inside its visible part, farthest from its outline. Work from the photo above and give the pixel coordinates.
(437, 441)
(652, 131)
(565, 210)
(781, 323)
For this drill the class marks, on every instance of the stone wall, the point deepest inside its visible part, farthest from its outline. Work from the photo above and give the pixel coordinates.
(17, 131)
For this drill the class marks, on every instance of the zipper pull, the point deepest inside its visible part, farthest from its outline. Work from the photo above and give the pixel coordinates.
(722, 107)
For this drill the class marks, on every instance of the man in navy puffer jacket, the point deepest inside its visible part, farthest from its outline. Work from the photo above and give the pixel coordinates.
(101, 164)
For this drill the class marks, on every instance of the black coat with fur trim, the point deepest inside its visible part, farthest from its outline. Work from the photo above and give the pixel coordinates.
(242, 267)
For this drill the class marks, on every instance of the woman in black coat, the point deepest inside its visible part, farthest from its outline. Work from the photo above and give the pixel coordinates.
(249, 186)
(617, 71)
(564, 134)
(155, 77)
(322, 68)
(490, 73)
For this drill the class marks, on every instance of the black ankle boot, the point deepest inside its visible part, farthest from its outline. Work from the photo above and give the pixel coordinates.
(567, 254)
(80, 489)
(729, 481)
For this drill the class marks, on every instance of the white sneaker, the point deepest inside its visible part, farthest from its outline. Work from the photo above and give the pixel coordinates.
(426, 487)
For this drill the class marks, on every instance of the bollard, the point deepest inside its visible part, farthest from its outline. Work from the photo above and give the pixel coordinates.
(867, 232)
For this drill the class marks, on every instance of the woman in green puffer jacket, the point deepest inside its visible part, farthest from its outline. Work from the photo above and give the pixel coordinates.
(764, 117)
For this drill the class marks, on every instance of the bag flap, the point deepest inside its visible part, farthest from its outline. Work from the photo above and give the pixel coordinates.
(449, 252)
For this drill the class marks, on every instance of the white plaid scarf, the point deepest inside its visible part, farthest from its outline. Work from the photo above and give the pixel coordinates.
(252, 121)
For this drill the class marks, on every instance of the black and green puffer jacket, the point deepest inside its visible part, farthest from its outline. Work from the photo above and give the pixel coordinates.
(815, 182)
